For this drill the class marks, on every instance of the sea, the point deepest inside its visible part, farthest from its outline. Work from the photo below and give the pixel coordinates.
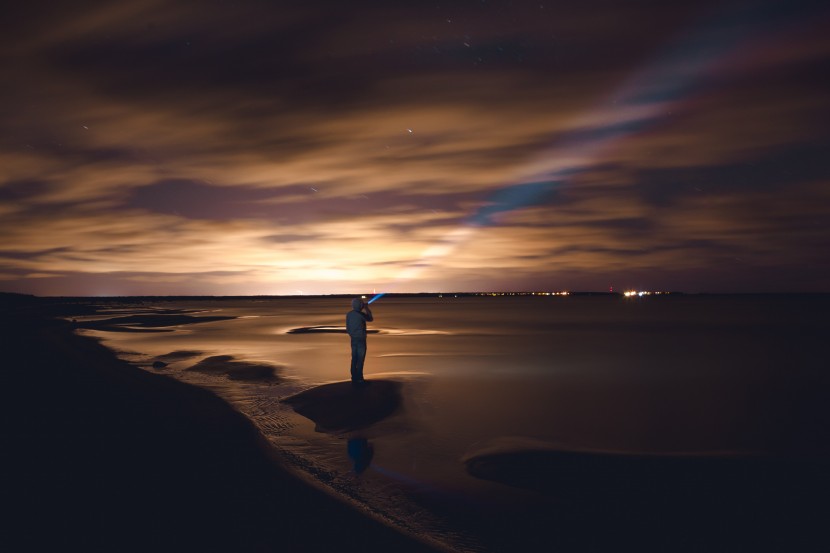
(597, 383)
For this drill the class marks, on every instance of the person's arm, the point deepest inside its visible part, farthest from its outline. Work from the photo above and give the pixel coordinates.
(369, 316)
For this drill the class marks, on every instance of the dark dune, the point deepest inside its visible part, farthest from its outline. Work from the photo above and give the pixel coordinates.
(585, 473)
(235, 370)
(325, 330)
(133, 309)
(100, 456)
(177, 355)
(146, 323)
(119, 328)
(732, 502)
(343, 406)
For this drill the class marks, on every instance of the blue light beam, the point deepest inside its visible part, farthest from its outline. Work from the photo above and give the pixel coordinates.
(687, 68)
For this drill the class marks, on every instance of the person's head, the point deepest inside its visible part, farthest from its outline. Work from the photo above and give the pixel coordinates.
(357, 304)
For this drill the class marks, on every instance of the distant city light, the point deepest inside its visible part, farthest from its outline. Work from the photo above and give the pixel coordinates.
(561, 293)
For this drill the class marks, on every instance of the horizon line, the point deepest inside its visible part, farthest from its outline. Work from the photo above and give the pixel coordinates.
(559, 293)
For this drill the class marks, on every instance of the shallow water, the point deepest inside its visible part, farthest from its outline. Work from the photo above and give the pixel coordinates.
(709, 375)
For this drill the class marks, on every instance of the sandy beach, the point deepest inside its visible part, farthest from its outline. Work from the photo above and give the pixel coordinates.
(234, 431)
(106, 457)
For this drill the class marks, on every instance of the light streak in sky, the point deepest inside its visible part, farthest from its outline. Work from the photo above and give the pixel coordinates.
(685, 70)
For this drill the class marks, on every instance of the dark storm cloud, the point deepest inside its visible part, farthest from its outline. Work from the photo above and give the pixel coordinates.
(780, 172)
(197, 200)
(17, 190)
(266, 147)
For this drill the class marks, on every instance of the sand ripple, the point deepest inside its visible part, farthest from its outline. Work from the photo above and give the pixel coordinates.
(324, 329)
(328, 329)
(146, 323)
(234, 370)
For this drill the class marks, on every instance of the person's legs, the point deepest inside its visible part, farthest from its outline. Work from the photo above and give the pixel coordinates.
(358, 357)
(354, 358)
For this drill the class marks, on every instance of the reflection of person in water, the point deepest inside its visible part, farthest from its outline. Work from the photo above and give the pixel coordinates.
(356, 327)
(361, 453)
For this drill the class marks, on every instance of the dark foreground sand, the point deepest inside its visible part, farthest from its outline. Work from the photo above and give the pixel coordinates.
(606, 501)
(101, 456)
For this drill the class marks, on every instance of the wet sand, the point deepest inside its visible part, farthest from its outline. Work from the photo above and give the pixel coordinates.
(130, 461)
(344, 406)
(103, 456)
(152, 322)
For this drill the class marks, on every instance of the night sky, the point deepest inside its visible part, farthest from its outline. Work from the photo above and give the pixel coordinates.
(266, 147)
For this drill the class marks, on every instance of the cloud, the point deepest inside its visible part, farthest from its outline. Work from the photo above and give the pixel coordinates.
(245, 149)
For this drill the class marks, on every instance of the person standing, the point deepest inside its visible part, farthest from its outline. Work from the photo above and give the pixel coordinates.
(356, 327)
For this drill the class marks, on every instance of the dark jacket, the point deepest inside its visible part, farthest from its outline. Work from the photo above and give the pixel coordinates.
(356, 323)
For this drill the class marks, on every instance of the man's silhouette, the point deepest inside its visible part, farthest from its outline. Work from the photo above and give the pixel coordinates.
(356, 327)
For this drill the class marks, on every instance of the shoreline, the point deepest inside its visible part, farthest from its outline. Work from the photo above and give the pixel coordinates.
(524, 493)
(106, 457)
